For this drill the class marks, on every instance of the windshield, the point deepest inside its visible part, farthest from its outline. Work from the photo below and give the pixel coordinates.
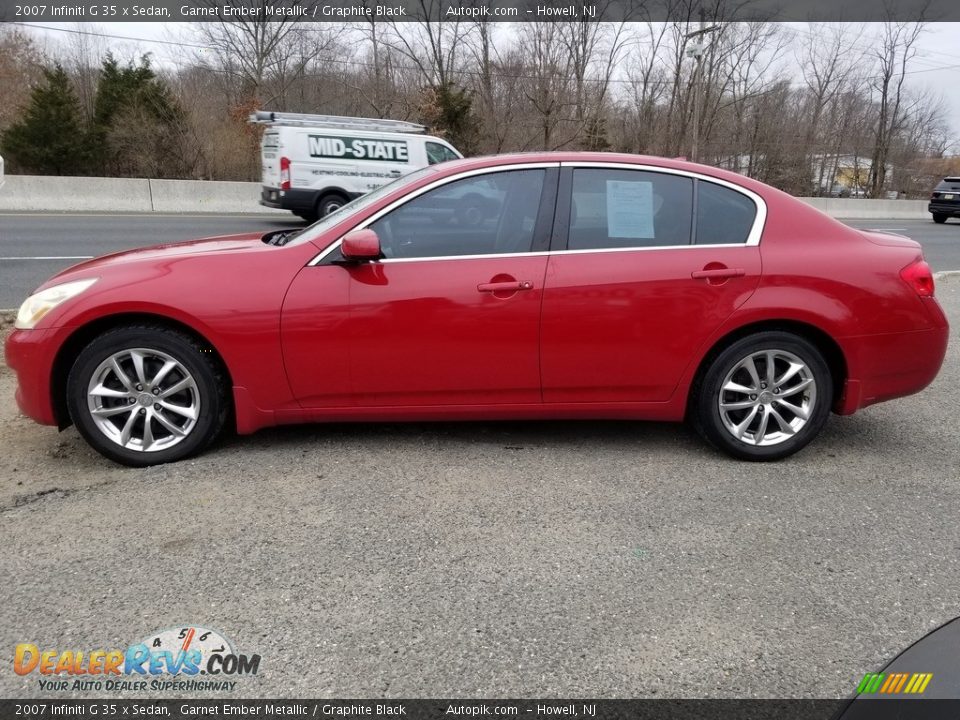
(357, 206)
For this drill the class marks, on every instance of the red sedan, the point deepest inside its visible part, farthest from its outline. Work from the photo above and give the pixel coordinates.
(570, 285)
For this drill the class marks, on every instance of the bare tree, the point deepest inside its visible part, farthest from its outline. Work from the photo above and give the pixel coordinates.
(432, 44)
(258, 56)
(21, 67)
(897, 49)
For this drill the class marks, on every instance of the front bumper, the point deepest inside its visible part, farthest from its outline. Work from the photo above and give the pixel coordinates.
(30, 354)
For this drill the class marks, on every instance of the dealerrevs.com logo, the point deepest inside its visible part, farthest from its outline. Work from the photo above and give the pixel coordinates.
(183, 659)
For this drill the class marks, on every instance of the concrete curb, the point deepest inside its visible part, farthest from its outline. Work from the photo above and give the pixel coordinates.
(863, 209)
(36, 193)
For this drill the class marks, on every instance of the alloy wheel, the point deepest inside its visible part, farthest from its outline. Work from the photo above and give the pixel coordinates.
(767, 397)
(143, 399)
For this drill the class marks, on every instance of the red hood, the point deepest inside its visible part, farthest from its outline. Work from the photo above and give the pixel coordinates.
(216, 244)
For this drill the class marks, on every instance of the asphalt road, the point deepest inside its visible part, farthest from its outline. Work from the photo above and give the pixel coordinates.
(568, 559)
(35, 246)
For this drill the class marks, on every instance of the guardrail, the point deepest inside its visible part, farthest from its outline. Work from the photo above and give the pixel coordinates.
(34, 193)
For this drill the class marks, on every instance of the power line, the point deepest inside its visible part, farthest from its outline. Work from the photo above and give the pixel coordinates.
(413, 68)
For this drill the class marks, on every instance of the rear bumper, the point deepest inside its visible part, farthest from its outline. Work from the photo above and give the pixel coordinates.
(294, 199)
(30, 354)
(883, 367)
(952, 209)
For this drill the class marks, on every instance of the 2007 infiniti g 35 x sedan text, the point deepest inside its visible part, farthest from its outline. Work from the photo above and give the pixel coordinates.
(570, 285)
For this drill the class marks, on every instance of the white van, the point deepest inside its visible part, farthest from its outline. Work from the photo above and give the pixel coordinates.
(314, 164)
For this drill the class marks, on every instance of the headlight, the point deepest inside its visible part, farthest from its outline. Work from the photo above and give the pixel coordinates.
(36, 306)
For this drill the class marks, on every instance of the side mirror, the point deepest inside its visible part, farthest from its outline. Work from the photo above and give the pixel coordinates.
(360, 245)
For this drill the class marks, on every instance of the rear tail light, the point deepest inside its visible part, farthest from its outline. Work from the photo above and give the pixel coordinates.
(284, 173)
(934, 196)
(919, 276)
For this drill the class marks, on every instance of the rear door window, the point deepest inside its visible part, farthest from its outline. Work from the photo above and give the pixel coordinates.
(614, 208)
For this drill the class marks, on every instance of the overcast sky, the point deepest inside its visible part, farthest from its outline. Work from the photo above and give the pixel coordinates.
(936, 66)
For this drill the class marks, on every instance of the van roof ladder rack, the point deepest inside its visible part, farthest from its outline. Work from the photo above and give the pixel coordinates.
(266, 117)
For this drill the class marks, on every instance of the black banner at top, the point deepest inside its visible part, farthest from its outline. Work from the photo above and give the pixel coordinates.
(339, 11)
(477, 709)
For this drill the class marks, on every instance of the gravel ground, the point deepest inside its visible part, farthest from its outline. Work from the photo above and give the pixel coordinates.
(498, 560)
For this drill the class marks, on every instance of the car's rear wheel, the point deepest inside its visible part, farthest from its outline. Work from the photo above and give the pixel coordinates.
(143, 395)
(939, 218)
(764, 397)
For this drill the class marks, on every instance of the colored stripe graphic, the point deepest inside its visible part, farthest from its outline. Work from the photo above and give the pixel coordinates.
(894, 683)
(867, 685)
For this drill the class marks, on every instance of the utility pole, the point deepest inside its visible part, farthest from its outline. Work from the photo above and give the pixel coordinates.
(696, 52)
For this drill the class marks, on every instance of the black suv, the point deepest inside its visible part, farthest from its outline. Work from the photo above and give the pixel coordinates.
(945, 200)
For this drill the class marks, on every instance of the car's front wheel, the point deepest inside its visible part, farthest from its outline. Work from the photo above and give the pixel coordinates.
(143, 395)
(764, 397)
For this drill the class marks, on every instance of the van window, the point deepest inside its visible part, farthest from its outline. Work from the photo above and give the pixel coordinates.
(437, 153)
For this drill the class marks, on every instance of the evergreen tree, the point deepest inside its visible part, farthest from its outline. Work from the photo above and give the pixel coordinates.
(136, 120)
(596, 135)
(448, 110)
(50, 139)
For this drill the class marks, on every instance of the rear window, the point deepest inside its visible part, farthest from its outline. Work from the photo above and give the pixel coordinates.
(950, 183)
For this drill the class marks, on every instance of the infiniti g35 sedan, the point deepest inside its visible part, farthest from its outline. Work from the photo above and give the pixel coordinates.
(596, 286)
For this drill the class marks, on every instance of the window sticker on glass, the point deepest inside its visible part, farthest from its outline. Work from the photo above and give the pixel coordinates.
(629, 209)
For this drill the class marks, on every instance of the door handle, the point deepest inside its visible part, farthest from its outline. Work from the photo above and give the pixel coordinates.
(718, 273)
(512, 286)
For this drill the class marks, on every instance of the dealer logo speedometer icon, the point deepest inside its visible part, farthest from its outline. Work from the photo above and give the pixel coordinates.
(195, 639)
(193, 649)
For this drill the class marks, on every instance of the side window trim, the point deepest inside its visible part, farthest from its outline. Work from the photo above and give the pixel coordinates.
(561, 220)
(331, 254)
(694, 218)
(753, 240)
(543, 229)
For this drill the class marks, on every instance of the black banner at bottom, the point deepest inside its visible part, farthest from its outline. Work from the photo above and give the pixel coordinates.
(862, 709)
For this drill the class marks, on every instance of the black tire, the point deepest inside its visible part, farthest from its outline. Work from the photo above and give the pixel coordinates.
(211, 388)
(330, 202)
(939, 218)
(705, 412)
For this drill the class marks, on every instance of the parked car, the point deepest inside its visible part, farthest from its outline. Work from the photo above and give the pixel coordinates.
(315, 164)
(600, 286)
(945, 200)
